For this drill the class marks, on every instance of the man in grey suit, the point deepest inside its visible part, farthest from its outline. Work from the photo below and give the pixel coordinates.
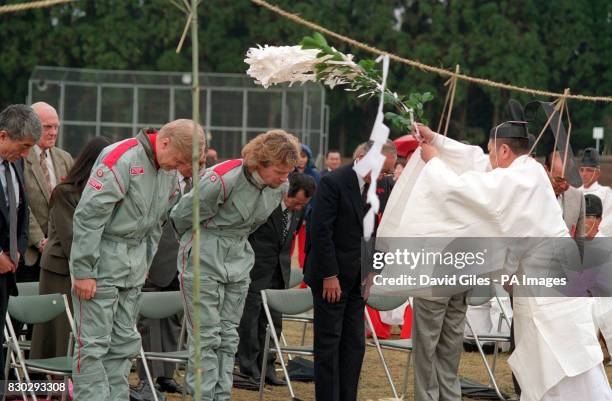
(571, 199)
(45, 167)
(272, 246)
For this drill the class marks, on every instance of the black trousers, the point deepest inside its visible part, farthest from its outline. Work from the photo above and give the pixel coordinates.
(339, 344)
(160, 335)
(4, 296)
(252, 329)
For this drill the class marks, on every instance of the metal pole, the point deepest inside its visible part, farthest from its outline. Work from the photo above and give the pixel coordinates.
(195, 251)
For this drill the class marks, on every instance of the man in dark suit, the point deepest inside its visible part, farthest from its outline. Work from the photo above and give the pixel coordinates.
(333, 160)
(272, 246)
(20, 128)
(333, 271)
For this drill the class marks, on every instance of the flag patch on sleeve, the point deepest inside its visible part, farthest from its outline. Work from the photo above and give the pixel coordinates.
(95, 184)
(136, 170)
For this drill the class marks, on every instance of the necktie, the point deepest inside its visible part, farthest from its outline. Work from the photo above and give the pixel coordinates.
(45, 170)
(285, 223)
(188, 185)
(12, 203)
(364, 193)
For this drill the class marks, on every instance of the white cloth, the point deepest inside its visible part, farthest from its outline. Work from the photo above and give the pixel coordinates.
(394, 317)
(3, 181)
(49, 162)
(590, 385)
(605, 194)
(458, 195)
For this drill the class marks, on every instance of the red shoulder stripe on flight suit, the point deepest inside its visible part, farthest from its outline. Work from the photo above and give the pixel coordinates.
(223, 169)
(114, 155)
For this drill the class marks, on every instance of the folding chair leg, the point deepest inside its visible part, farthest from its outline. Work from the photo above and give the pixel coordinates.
(11, 359)
(49, 393)
(184, 392)
(264, 363)
(304, 333)
(148, 373)
(277, 346)
(285, 344)
(65, 392)
(484, 359)
(405, 385)
(380, 354)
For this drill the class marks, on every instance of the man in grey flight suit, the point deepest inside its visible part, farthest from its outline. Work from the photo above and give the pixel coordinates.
(117, 225)
(236, 197)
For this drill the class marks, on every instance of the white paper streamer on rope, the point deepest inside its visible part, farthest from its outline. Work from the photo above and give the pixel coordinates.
(372, 163)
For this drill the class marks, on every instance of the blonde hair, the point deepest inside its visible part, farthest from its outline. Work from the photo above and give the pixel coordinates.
(273, 147)
(180, 133)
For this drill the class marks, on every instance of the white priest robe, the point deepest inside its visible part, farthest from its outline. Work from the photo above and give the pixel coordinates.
(458, 195)
(600, 284)
(605, 194)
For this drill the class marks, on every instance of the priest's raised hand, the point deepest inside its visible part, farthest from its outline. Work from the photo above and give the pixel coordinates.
(428, 152)
(424, 132)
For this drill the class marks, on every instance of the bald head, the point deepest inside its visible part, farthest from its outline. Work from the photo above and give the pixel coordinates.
(554, 164)
(50, 124)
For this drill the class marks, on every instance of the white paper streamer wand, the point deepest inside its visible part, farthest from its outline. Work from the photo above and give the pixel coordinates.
(373, 161)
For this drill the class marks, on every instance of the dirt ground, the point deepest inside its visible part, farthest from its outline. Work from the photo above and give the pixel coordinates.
(374, 384)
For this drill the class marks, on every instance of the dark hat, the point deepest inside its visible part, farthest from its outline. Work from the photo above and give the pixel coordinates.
(594, 206)
(532, 140)
(590, 158)
(510, 129)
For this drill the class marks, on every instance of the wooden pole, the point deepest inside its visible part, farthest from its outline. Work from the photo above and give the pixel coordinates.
(195, 250)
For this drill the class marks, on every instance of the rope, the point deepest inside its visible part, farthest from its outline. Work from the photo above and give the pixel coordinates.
(448, 102)
(425, 67)
(11, 8)
(560, 107)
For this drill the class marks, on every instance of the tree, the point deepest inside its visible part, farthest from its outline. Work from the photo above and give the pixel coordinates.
(547, 45)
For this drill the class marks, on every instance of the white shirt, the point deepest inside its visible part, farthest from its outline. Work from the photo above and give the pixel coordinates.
(49, 161)
(3, 180)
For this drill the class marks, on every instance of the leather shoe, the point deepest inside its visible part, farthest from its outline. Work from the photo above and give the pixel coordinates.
(143, 392)
(169, 385)
(272, 379)
(251, 371)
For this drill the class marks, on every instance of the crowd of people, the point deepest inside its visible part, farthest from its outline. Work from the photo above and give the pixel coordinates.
(118, 220)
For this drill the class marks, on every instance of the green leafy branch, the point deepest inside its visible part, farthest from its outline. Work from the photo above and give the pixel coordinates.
(364, 78)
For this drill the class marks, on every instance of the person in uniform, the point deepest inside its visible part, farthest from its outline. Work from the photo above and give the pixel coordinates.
(590, 172)
(272, 244)
(117, 226)
(236, 197)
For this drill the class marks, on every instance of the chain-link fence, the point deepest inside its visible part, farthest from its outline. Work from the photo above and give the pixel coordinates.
(233, 109)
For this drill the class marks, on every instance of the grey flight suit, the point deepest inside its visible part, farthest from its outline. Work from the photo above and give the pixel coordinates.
(117, 225)
(232, 206)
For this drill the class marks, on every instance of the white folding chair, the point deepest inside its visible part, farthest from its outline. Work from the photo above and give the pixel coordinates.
(36, 309)
(162, 305)
(386, 303)
(289, 302)
(495, 337)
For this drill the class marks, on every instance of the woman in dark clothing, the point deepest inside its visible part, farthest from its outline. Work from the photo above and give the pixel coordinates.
(51, 339)
(306, 164)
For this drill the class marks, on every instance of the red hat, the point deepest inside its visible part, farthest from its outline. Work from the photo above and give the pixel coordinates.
(406, 145)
